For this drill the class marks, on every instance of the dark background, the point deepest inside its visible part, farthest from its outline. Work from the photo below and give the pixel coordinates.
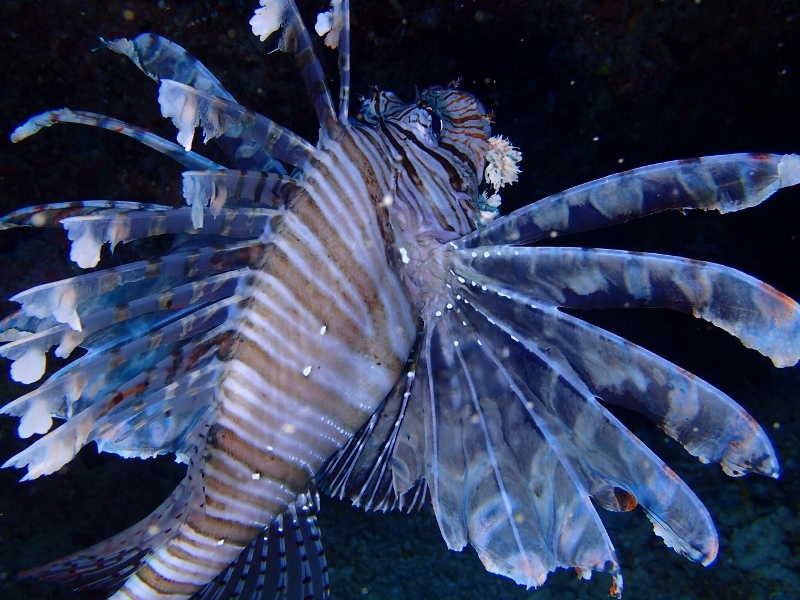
(585, 89)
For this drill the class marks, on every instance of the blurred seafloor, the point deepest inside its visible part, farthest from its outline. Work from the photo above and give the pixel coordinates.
(584, 89)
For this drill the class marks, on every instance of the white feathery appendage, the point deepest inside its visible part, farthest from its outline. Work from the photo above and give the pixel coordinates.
(267, 19)
(502, 159)
(29, 366)
(57, 448)
(789, 170)
(330, 23)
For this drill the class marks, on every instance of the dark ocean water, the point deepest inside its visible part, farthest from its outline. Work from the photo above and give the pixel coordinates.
(585, 89)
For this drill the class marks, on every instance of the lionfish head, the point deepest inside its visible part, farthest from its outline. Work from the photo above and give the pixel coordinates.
(446, 117)
(440, 143)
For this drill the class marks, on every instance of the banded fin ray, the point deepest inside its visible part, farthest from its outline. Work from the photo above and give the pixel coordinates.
(107, 564)
(466, 425)
(188, 108)
(284, 562)
(529, 423)
(216, 189)
(364, 469)
(725, 183)
(101, 380)
(59, 394)
(52, 214)
(75, 298)
(707, 422)
(90, 224)
(146, 339)
(187, 158)
(507, 298)
(89, 233)
(605, 454)
(341, 19)
(759, 315)
(93, 333)
(295, 39)
(160, 58)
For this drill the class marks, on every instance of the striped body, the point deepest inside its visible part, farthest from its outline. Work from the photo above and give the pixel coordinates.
(323, 332)
(326, 324)
(292, 361)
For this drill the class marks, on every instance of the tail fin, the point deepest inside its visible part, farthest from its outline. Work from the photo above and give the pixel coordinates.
(108, 564)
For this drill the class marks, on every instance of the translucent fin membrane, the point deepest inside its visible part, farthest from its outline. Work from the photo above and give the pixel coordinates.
(160, 59)
(188, 108)
(51, 215)
(706, 421)
(759, 315)
(362, 471)
(101, 379)
(92, 224)
(341, 26)
(216, 189)
(118, 286)
(89, 233)
(77, 331)
(107, 564)
(482, 432)
(581, 433)
(725, 183)
(295, 39)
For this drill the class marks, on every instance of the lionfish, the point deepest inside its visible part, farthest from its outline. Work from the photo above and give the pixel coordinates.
(354, 316)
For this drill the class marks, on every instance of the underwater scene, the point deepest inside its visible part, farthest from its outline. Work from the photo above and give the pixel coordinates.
(583, 90)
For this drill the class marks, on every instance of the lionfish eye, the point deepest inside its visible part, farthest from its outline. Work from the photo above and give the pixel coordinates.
(436, 126)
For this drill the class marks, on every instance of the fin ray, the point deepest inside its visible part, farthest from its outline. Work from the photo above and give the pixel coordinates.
(725, 183)
(756, 313)
(707, 422)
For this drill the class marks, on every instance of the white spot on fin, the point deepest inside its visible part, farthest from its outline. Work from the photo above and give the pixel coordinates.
(85, 250)
(267, 19)
(181, 107)
(29, 367)
(36, 419)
